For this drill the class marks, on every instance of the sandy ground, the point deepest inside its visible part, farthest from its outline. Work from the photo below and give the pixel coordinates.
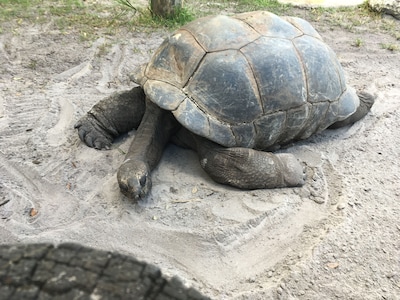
(336, 237)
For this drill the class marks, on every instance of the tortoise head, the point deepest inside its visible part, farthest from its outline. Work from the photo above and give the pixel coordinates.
(134, 179)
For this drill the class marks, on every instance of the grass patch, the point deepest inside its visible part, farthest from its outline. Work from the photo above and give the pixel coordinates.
(213, 7)
(271, 5)
(181, 17)
(31, 9)
(353, 19)
(144, 16)
(344, 17)
(358, 43)
(390, 47)
(103, 49)
(90, 19)
(64, 14)
(127, 4)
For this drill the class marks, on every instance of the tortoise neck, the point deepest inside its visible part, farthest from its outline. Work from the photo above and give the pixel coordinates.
(153, 133)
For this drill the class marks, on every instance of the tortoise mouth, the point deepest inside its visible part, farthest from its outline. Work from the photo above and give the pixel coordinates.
(135, 189)
(134, 179)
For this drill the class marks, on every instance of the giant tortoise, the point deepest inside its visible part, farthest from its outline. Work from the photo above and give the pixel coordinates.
(232, 88)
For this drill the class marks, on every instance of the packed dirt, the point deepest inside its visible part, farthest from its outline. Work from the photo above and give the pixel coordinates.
(336, 237)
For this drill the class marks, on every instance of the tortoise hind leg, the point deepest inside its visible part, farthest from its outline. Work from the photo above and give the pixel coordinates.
(110, 117)
(251, 169)
(366, 102)
(242, 167)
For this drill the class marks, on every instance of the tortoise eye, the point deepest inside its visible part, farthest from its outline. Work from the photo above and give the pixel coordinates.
(143, 180)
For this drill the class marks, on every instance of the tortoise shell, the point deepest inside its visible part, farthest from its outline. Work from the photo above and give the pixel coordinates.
(250, 80)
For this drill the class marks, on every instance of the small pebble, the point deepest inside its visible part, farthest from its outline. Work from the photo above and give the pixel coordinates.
(341, 206)
(390, 275)
(251, 280)
(319, 200)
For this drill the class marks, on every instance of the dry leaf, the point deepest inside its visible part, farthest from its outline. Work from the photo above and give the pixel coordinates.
(33, 212)
(332, 265)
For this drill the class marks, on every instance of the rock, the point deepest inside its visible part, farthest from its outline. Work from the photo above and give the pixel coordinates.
(391, 7)
(322, 3)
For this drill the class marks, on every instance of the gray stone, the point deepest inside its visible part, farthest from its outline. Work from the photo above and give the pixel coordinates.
(322, 3)
(390, 7)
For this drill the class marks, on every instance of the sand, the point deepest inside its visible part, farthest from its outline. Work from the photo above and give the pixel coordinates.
(336, 237)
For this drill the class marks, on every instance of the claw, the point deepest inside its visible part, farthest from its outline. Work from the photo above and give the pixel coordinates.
(89, 141)
(99, 145)
(78, 124)
(92, 134)
(82, 134)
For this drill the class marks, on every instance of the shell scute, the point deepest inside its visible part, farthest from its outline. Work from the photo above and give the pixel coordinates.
(244, 134)
(318, 112)
(176, 59)
(221, 33)
(323, 77)
(271, 127)
(303, 25)
(190, 116)
(166, 95)
(279, 77)
(270, 25)
(224, 87)
(296, 118)
(348, 104)
(221, 133)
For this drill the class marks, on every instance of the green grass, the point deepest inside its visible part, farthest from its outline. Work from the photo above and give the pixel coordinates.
(391, 47)
(271, 5)
(93, 19)
(181, 17)
(15, 9)
(127, 4)
(358, 43)
(66, 14)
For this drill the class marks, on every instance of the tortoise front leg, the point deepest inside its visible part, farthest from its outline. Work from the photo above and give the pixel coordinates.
(242, 167)
(110, 117)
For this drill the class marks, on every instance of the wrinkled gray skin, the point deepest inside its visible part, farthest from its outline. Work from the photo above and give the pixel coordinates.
(239, 167)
